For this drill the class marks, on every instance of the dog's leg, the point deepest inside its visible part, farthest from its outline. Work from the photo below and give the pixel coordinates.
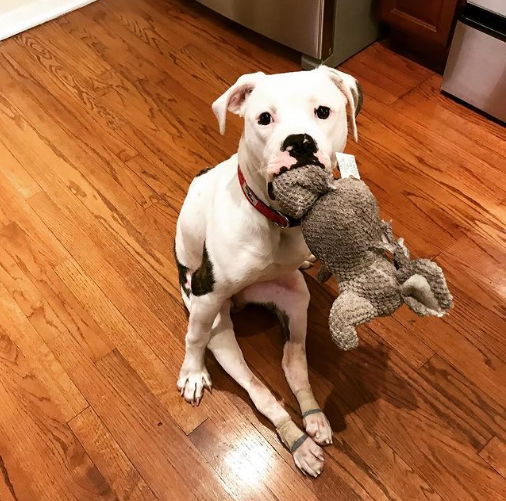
(193, 377)
(307, 455)
(290, 298)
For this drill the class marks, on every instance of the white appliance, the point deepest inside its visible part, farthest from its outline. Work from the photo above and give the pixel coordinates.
(476, 68)
(324, 31)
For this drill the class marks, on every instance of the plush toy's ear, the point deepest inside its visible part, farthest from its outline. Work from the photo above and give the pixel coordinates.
(233, 99)
(424, 288)
(352, 91)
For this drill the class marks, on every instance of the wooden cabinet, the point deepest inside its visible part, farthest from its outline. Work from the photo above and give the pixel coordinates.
(423, 27)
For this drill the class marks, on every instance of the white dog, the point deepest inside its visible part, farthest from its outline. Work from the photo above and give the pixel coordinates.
(232, 246)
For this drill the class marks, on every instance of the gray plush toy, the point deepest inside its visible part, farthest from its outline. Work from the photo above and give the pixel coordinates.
(343, 229)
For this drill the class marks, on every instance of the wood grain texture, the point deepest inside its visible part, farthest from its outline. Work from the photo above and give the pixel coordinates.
(105, 119)
(110, 458)
(494, 453)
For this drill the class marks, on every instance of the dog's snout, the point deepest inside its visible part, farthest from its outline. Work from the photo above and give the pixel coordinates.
(299, 145)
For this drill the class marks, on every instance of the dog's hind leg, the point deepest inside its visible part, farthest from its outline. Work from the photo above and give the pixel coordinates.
(307, 455)
(288, 297)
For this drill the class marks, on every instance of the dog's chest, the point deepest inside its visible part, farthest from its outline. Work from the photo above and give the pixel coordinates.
(288, 252)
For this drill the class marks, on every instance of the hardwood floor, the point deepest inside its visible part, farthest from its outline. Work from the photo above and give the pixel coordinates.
(104, 119)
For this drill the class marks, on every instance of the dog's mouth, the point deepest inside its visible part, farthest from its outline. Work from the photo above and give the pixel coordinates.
(270, 190)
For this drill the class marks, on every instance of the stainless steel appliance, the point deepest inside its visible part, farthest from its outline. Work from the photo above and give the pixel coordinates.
(324, 31)
(476, 67)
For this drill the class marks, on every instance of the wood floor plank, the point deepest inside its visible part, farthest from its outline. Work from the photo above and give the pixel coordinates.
(494, 454)
(28, 297)
(17, 209)
(129, 338)
(53, 72)
(22, 182)
(89, 256)
(64, 171)
(4, 218)
(437, 441)
(141, 426)
(46, 456)
(83, 60)
(12, 475)
(240, 467)
(389, 81)
(42, 281)
(63, 104)
(452, 166)
(76, 137)
(481, 261)
(202, 26)
(64, 394)
(109, 458)
(121, 45)
(109, 47)
(482, 416)
(483, 137)
(471, 341)
(33, 429)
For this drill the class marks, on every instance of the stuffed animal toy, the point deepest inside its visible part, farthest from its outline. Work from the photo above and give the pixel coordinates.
(342, 228)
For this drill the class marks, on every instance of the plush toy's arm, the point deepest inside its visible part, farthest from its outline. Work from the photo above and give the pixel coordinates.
(348, 311)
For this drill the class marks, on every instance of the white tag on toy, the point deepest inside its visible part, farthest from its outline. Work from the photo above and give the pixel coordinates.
(347, 165)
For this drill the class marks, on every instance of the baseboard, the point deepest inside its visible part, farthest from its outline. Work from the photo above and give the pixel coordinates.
(28, 16)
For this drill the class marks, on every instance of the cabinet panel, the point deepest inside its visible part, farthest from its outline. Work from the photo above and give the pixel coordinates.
(427, 12)
(430, 20)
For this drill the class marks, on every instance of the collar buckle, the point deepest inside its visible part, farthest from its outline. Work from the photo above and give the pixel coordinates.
(286, 223)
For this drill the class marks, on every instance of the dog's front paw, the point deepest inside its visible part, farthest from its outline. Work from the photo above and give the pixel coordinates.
(318, 428)
(309, 458)
(191, 385)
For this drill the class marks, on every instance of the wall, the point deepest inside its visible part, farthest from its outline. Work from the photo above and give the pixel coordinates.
(20, 15)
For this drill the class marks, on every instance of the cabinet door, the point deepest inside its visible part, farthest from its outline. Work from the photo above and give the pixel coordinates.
(430, 20)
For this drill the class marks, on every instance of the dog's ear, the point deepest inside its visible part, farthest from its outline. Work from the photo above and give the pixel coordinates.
(233, 99)
(351, 89)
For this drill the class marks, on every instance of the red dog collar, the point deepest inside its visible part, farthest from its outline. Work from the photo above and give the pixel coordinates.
(273, 215)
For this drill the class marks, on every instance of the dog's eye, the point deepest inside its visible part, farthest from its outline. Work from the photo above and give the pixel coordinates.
(265, 118)
(322, 112)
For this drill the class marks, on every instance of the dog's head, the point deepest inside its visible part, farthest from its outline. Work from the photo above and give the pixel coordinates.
(292, 119)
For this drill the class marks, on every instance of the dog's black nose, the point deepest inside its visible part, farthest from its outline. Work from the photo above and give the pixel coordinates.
(299, 145)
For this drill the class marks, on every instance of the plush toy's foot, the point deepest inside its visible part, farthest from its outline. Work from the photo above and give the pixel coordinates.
(309, 458)
(191, 385)
(317, 426)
